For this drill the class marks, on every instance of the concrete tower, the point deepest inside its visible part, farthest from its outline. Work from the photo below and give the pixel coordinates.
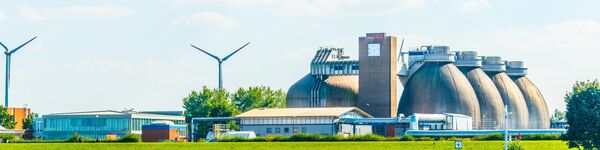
(377, 80)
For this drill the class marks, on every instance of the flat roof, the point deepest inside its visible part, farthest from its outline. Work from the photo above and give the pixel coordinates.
(301, 112)
(113, 112)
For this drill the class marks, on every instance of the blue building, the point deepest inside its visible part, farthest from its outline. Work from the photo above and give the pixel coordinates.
(103, 124)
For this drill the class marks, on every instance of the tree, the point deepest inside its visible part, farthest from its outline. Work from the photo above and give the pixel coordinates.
(558, 115)
(6, 120)
(258, 97)
(28, 122)
(207, 103)
(583, 115)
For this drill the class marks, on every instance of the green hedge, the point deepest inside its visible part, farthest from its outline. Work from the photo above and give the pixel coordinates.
(488, 137)
(9, 137)
(305, 137)
(542, 137)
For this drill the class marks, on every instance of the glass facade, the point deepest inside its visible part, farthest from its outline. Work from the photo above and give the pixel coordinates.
(100, 126)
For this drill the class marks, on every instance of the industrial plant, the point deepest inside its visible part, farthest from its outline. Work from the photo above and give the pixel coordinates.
(436, 80)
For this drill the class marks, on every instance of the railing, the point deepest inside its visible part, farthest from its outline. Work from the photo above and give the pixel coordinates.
(468, 62)
(439, 57)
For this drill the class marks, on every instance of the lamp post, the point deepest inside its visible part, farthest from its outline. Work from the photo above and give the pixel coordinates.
(506, 113)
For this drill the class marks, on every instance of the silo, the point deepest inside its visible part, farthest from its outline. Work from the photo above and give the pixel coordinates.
(333, 91)
(439, 87)
(490, 101)
(512, 97)
(536, 104)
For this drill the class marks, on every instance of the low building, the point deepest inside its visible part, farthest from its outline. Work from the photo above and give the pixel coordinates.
(106, 124)
(15, 132)
(163, 131)
(290, 121)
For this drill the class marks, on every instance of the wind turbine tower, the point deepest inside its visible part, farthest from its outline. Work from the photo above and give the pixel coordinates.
(220, 61)
(8, 54)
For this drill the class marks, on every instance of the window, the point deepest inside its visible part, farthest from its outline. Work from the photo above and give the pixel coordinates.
(338, 67)
(304, 130)
(286, 130)
(269, 130)
(295, 130)
(355, 67)
(277, 130)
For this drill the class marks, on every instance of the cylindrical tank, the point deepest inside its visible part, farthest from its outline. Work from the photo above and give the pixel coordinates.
(439, 87)
(490, 101)
(539, 117)
(333, 91)
(509, 91)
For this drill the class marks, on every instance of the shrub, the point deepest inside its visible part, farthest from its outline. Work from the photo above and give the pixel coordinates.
(131, 138)
(5, 137)
(542, 137)
(453, 138)
(424, 139)
(234, 139)
(407, 137)
(487, 137)
(365, 137)
(305, 137)
(333, 138)
(275, 138)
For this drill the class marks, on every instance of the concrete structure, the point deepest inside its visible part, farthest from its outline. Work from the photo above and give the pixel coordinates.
(539, 117)
(332, 82)
(19, 115)
(490, 101)
(159, 131)
(103, 124)
(289, 121)
(377, 80)
(436, 86)
(512, 97)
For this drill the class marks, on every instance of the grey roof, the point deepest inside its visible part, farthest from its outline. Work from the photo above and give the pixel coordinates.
(301, 112)
(490, 101)
(437, 88)
(335, 91)
(539, 117)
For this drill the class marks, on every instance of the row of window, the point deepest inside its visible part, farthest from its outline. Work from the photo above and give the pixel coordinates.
(287, 130)
(289, 120)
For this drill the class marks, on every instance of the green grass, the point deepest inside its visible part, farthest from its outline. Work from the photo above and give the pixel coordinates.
(416, 145)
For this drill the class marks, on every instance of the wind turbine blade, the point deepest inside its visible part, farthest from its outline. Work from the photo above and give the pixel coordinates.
(227, 57)
(6, 49)
(16, 49)
(209, 54)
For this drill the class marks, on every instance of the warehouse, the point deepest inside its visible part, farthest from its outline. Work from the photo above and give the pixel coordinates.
(290, 121)
(106, 124)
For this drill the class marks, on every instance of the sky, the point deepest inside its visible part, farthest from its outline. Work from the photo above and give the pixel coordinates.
(112, 55)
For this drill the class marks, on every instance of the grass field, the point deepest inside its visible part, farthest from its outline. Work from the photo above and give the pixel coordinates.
(409, 145)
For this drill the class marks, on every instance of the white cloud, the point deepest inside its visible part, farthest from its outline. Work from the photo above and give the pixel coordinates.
(101, 11)
(474, 5)
(206, 18)
(3, 16)
(318, 7)
(87, 11)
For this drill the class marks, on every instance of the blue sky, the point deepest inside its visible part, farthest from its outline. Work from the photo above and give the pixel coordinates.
(97, 55)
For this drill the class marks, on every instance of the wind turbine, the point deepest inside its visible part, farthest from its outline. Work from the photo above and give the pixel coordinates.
(8, 54)
(220, 60)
